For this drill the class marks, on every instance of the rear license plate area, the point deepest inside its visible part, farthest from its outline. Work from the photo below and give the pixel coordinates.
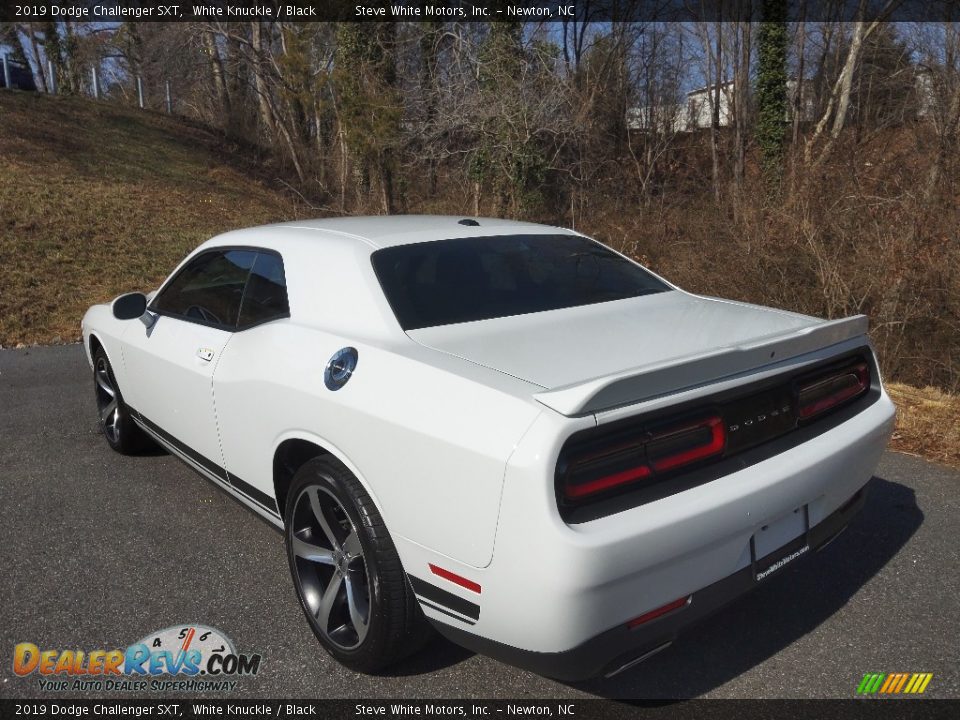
(779, 543)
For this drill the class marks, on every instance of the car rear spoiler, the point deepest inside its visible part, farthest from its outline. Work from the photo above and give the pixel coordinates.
(645, 382)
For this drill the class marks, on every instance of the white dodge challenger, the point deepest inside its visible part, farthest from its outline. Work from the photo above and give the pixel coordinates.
(504, 430)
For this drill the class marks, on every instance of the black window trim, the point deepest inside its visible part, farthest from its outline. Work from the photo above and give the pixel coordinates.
(235, 328)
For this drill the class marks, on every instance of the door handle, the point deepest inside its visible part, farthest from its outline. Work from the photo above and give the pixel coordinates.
(205, 354)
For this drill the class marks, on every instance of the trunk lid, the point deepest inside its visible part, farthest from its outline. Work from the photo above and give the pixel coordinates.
(597, 356)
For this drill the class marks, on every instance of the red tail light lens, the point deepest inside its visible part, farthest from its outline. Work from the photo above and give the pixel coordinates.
(833, 390)
(597, 472)
(605, 482)
(687, 443)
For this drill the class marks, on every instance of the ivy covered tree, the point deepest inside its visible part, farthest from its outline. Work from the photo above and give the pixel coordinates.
(514, 138)
(370, 109)
(772, 42)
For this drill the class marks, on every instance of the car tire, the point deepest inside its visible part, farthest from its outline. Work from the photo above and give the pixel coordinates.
(346, 571)
(115, 419)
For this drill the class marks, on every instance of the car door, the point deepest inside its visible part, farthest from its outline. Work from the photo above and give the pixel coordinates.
(253, 367)
(171, 363)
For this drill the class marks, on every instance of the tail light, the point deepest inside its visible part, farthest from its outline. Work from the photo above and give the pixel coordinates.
(642, 452)
(687, 444)
(838, 387)
(598, 471)
(670, 448)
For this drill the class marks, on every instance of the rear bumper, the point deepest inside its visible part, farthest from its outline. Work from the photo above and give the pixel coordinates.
(620, 648)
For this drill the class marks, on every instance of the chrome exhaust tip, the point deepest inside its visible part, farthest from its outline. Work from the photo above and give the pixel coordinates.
(638, 660)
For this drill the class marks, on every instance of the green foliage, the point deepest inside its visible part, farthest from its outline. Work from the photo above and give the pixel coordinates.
(294, 64)
(524, 182)
(370, 106)
(300, 87)
(772, 41)
(479, 166)
(507, 157)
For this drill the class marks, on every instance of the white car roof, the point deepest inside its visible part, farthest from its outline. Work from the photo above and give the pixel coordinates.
(330, 279)
(380, 231)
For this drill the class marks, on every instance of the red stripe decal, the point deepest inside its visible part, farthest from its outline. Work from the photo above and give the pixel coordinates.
(454, 578)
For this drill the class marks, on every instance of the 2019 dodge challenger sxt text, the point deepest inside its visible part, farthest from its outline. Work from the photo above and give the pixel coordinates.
(509, 430)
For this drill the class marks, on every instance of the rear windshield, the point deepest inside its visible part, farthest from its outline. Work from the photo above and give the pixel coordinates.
(455, 281)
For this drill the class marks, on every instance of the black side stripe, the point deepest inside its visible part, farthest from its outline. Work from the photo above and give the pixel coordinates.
(247, 489)
(209, 465)
(439, 609)
(440, 596)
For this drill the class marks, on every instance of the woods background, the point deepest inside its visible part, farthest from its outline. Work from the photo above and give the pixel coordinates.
(810, 165)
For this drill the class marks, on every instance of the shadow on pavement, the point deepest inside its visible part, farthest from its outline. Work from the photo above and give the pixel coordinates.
(437, 654)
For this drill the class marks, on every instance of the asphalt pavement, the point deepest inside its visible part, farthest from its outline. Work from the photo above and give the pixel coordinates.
(98, 550)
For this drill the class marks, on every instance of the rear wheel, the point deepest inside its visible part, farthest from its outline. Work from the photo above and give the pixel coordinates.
(346, 570)
(116, 422)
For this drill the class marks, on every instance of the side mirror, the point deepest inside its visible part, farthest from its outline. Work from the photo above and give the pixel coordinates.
(129, 306)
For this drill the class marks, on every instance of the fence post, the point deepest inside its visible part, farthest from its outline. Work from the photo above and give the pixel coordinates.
(140, 91)
(169, 100)
(53, 78)
(6, 72)
(96, 83)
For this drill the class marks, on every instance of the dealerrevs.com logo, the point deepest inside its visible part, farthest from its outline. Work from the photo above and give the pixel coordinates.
(181, 658)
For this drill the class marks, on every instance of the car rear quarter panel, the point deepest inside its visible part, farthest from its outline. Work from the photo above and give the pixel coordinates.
(430, 445)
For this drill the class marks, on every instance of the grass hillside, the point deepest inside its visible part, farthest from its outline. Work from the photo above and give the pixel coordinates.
(97, 199)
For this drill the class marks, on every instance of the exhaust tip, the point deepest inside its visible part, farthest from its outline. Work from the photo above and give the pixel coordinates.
(637, 660)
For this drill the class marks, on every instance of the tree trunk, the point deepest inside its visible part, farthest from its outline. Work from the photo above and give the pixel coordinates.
(840, 95)
(740, 98)
(946, 139)
(259, 81)
(71, 63)
(715, 115)
(798, 93)
(386, 186)
(36, 64)
(846, 80)
(219, 78)
(52, 48)
(430, 62)
(719, 77)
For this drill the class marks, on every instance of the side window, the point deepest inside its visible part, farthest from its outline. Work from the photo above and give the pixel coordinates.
(209, 288)
(266, 295)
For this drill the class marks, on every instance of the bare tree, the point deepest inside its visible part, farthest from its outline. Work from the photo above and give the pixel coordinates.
(838, 102)
(938, 80)
(659, 114)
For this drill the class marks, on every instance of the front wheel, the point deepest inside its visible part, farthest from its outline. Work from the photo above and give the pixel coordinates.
(346, 570)
(116, 422)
